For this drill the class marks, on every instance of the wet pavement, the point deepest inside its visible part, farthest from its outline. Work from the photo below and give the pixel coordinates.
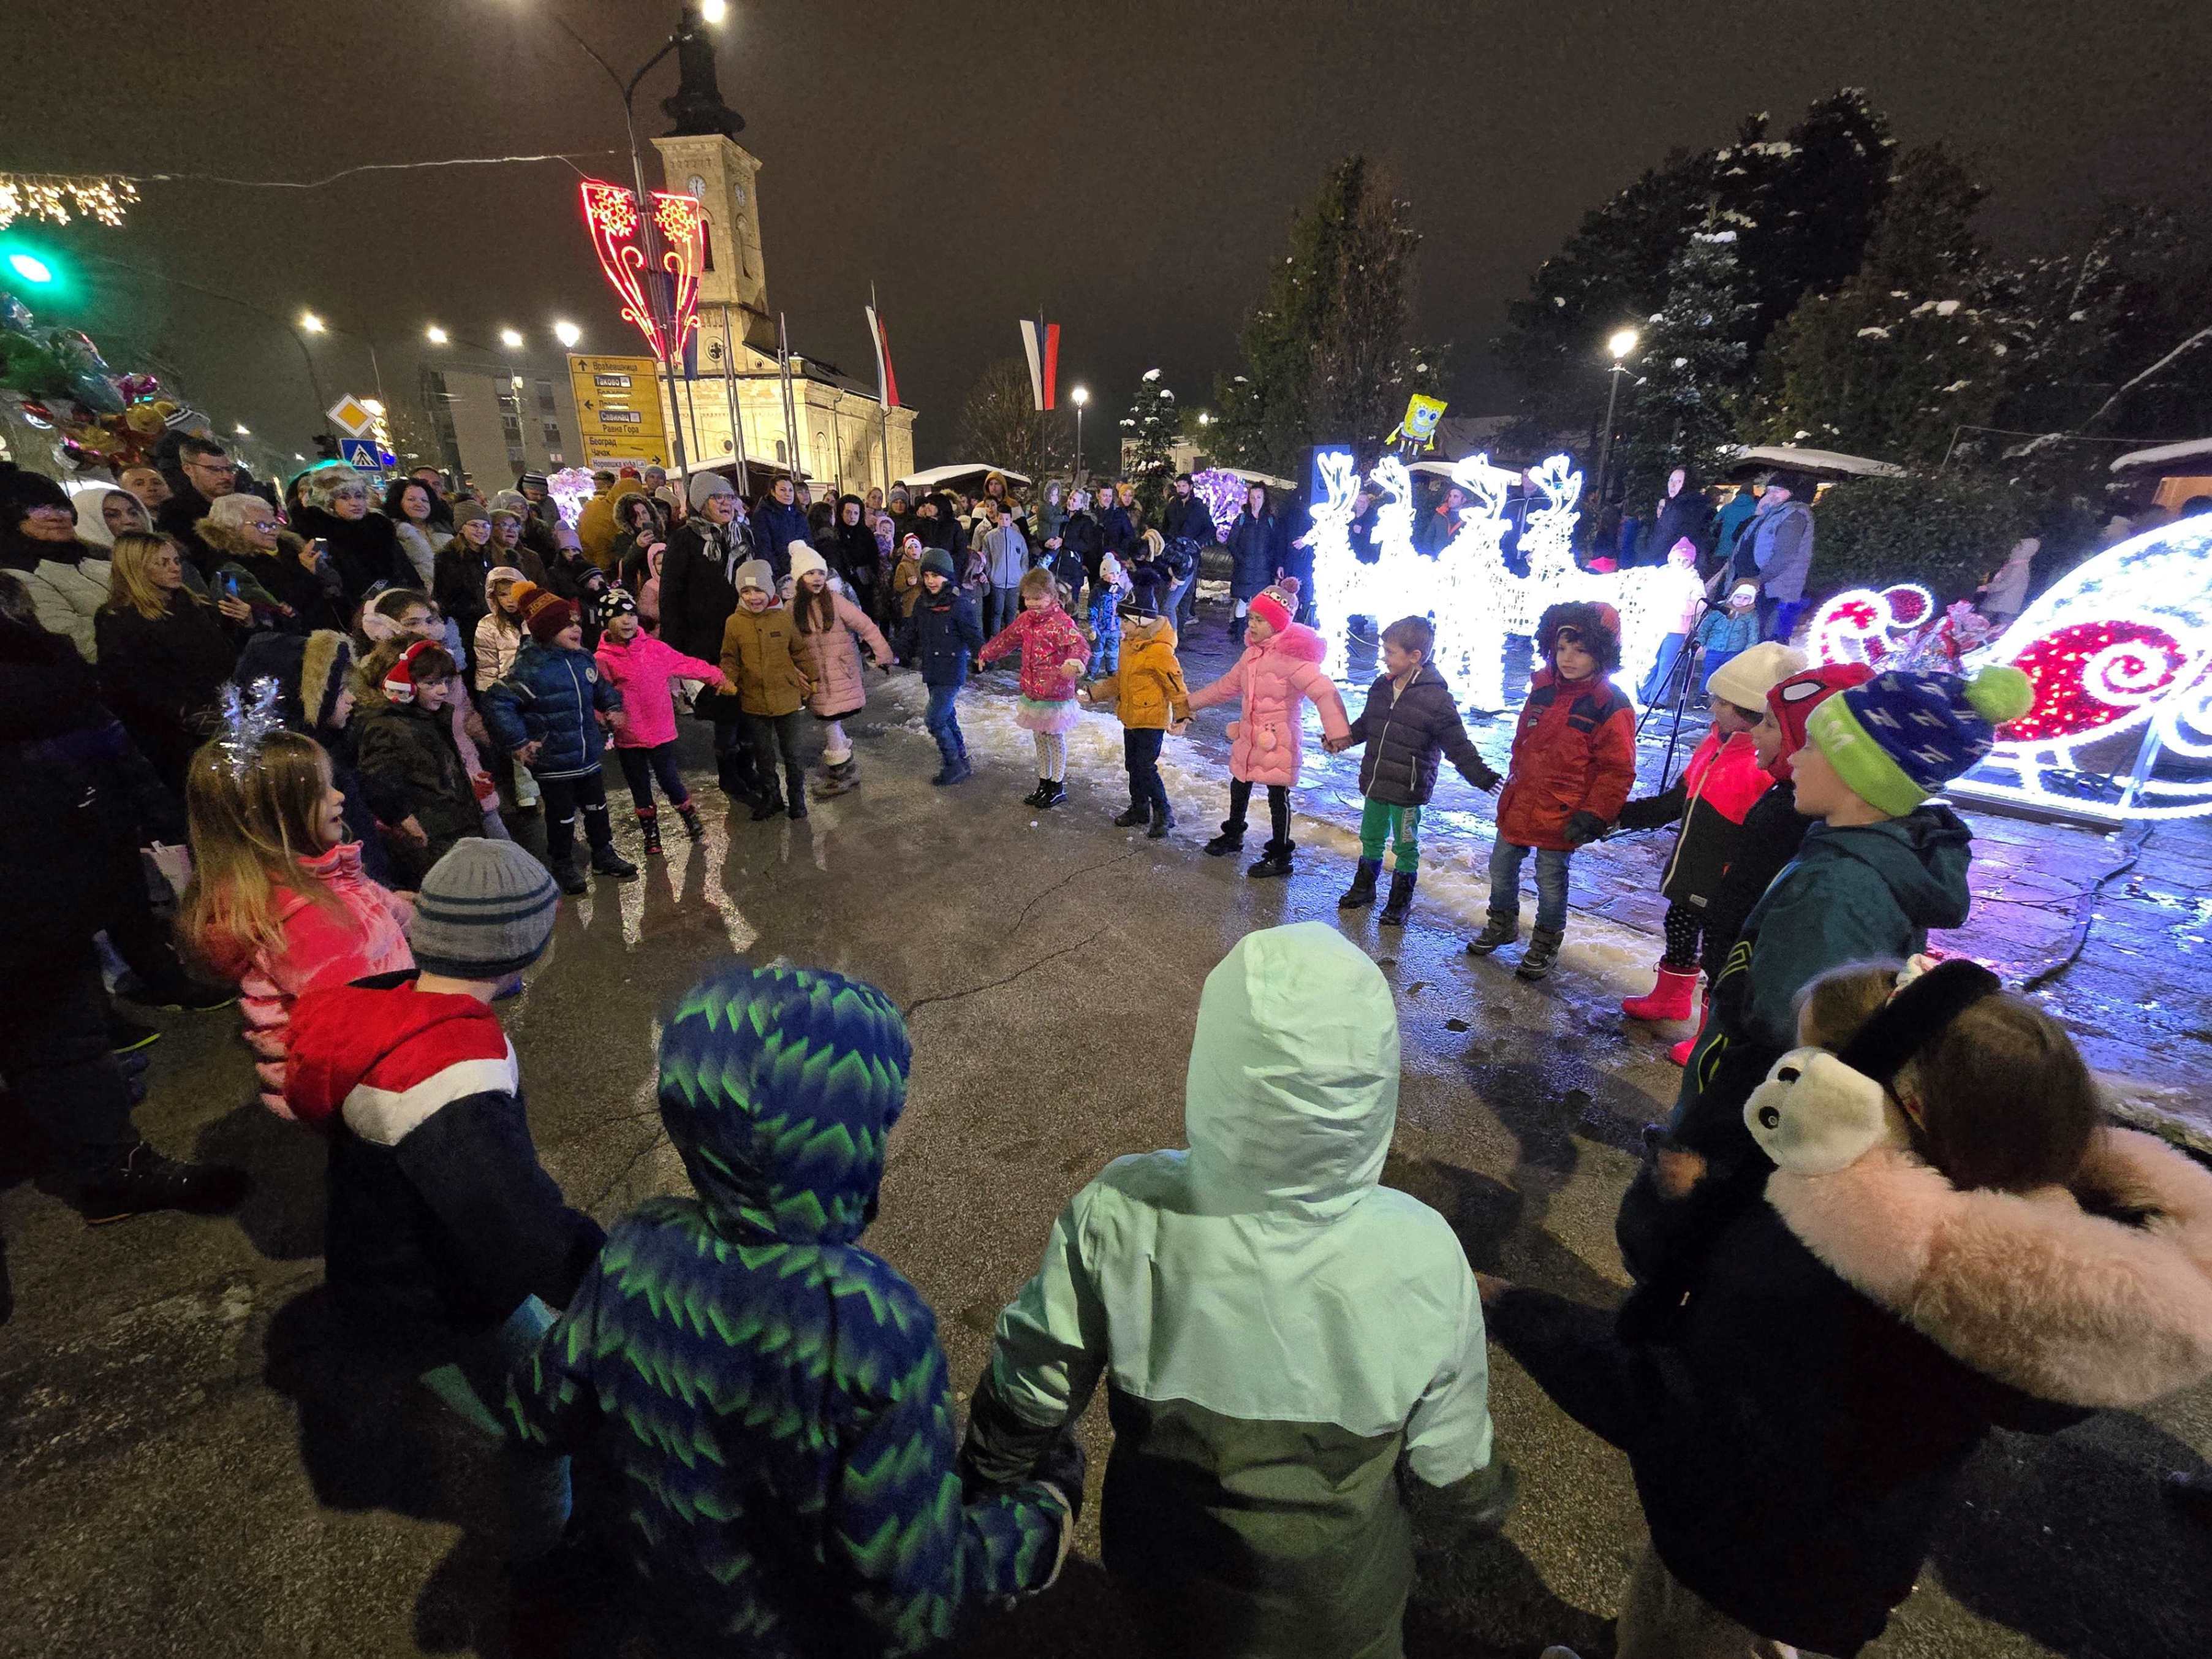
(178, 1464)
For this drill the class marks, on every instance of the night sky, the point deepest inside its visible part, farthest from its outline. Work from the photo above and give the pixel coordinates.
(1131, 167)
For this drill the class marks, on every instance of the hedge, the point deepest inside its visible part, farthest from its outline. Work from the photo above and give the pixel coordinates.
(1948, 532)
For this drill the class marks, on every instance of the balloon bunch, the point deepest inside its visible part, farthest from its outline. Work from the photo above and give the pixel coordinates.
(58, 378)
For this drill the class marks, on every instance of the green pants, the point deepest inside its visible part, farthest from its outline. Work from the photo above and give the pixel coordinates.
(1380, 822)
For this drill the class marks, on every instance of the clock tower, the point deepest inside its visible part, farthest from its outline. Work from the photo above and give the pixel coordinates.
(722, 173)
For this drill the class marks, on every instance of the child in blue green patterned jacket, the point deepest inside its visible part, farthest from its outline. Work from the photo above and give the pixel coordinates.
(774, 1392)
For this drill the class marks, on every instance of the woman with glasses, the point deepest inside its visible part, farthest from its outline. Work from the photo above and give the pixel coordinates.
(335, 508)
(253, 543)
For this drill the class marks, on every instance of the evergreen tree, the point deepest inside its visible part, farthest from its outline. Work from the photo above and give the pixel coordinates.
(1148, 436)
(1689, 368)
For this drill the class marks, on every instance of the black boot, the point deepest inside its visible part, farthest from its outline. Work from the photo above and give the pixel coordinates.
(1543, 950)
(1361, 893)
(1163, 820)
(1035, 797)
(768, 802)
(1050, 793)
(1496, 932)
(1133, 815)
(1274, 859)
(573, 880)
(648, 824)
(794, 786)
(605, 861)
(1400, 902)
(733, 770)
(1231, 839)
(692, 827)
(143, 1180)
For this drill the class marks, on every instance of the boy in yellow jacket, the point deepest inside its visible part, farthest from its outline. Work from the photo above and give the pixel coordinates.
(760, 658)
(1154, 702)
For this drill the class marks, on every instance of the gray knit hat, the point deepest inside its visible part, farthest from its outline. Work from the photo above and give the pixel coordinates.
(485, 911)
(756, 573)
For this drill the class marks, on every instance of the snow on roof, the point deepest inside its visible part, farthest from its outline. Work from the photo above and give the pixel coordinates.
(930, 476)
(1250, 476)
(2190, 449)
(1791, 459)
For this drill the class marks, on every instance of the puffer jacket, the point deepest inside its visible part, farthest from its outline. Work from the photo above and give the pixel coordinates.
(1147, 690)
(1573, 752)
(939, 636)
(760, 657)
(1716, 791)
(363, 932)
(1268, 741)
(830, 656)
(497, 647)
(552, 697)
(772, 1390)
(1781, 539)
(640, 669)
(1406, 733)
(1252, 546)
(411, 767)
(67, 594)
(1289, 1347)
(1049, 640)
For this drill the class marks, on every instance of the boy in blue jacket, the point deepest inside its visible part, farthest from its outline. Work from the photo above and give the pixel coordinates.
(546, 713)
(941, 636)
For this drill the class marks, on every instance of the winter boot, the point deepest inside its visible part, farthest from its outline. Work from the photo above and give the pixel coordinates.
(1400, 902)
(1163, 820)
(1680, 1054)
(733, 770)
(605, 861)
(1496, 932)
(767, 802)
(1133, 815)
(838, 778)
(142, 1180)
(1274, 860)
(648, 824)
(1669, 999)
(1543, 950)
(794, 784)
(573, 880)
(1361, 893)
(1035, 797)
(692, 827)
(1229, 841)
(1050, 793)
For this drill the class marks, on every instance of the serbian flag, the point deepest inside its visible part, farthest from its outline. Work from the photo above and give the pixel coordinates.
(886, 382)
(1040, 340)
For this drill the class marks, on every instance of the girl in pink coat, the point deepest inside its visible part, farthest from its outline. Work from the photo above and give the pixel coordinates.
(1280, 670)
(831, 628)
(1055, 653)
(640, 666)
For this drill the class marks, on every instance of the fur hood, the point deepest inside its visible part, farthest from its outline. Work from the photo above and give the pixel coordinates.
(1297, 641)
(2057, 1301)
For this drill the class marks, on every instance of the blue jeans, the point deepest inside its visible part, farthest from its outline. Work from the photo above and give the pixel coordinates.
(1000, 606)
(943, 723)
(1505, 861)
(474, 1384)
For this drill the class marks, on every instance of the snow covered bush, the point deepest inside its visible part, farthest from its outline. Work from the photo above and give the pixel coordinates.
(1947, 531)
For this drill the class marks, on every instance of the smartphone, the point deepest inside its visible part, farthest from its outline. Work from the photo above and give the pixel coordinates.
(229, 585)
(320, 549)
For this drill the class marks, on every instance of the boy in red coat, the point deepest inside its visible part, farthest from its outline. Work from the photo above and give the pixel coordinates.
(1574, 763)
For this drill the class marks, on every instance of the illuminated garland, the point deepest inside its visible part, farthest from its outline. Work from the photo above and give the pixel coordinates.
(59, 198)
(610, 215)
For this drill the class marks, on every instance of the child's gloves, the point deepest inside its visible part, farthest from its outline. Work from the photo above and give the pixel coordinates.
(1584, 828)
(1487, 781)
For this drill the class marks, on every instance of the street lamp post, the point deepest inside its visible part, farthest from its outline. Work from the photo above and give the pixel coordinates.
(1622, 343)
(1079, 396)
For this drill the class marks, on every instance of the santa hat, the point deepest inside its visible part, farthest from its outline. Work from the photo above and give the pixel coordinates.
(1278, 606)
(399, 683)
(545, 614)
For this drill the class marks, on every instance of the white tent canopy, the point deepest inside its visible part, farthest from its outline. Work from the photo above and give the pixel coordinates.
(936, 477)
(1250, 476)
(2165, 455)
(1788, 458)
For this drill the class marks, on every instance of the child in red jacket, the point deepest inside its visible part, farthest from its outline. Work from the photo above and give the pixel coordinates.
(1574, 763)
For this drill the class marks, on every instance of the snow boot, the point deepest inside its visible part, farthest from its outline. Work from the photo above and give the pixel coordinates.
(1035, 797)
(838, 778)
(1496, 932)
(649, 824)
(1229, 841)
(1163, 820)
(605, 861)
(1050, 793)
(1274, 860)
(1669, 999)
(1130, 817)
(571, 877)
(794, 784)
(1680, 1054)
(1361, 893)
(142, 1180)
(1543, 952)
(1400, 902)
(733, 771)
(692, 827)
(767, 802)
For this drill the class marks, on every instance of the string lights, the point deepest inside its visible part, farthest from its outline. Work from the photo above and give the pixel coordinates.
(60, 197)
(610, 214)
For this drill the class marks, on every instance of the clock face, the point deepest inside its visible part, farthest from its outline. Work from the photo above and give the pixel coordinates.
(697, 185)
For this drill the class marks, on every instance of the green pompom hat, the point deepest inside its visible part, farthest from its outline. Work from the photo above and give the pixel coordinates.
(1902, 736)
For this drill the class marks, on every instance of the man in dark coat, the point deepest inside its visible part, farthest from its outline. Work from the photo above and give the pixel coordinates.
(1188, 531)
(205, 473)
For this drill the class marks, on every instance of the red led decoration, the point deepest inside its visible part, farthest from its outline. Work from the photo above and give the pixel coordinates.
(2092, 674)
(610, 215)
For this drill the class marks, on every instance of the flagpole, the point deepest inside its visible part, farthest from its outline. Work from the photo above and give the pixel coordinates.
(883, 402)
(796, 468)
(730, 396)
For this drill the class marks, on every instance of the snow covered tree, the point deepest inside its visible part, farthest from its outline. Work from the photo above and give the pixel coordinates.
(1148, 436)
(1690, 365)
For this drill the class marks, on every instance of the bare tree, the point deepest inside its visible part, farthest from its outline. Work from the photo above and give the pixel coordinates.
(1001, 424)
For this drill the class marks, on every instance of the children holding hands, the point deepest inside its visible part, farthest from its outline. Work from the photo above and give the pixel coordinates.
(1054, 655)
(1147, 688)
(640, 666)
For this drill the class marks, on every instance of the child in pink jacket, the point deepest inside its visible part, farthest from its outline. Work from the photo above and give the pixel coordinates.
(1280, 669)
(640, 666)
(1055, 653)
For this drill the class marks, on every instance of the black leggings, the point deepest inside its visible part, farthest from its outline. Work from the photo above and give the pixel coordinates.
(1682, 926)
(640, 766)
(563, 797)
(1278, 810)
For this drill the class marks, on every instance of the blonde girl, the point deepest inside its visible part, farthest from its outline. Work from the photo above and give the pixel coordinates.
(1054, 656)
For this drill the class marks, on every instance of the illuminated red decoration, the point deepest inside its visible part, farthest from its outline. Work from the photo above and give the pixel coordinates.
(610, 215)
(2091, 674)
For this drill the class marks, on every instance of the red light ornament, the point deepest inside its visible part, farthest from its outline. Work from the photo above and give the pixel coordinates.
(610, 214)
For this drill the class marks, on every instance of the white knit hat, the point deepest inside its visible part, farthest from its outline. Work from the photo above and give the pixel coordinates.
(804, 559)
(1746, 678)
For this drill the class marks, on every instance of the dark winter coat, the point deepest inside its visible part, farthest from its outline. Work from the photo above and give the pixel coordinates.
(775, 526)
(1771, 833)
(365, 552)
(459, 588)
(553, 697)
(179, 517)
(941, 636)
(853, 559)
(1080, 537)
(1716, 790)
(1406, 733)
(1190, 520)
(578, 580)
(773, 1391)
(698, 588)
(438, 1215)
(163, 676)
(1116, 532)
(1574, 751)
(1846, 1345)
(411, 767)
(316, 598)
(1728, 533)
(1688, 513)
(1253, 544)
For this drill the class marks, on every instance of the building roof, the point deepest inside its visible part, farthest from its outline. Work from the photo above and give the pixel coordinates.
(2165, 455)
(1789, 459)
(932, 477)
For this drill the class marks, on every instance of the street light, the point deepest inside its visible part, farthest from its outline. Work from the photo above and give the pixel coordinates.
(567, 334)
(239, 428)
(510, 339)
(1079, 396)
(435, 335)
(1620, 344)
(714, 11)
(311, 323)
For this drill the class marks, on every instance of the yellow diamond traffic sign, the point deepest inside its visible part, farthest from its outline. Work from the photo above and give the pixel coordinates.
(353, 417)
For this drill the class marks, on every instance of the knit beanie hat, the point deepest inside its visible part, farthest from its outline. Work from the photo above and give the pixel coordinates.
(617, 602)
(1746, 678)
(531, 480)
(1278, 606)
(1792, 700)
(485, 911)
(937, 559)
(1900, 736)
(468, 512)
(545, 613)
(756, 573)
(805, 559)
(705, 486)
(399, 679)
